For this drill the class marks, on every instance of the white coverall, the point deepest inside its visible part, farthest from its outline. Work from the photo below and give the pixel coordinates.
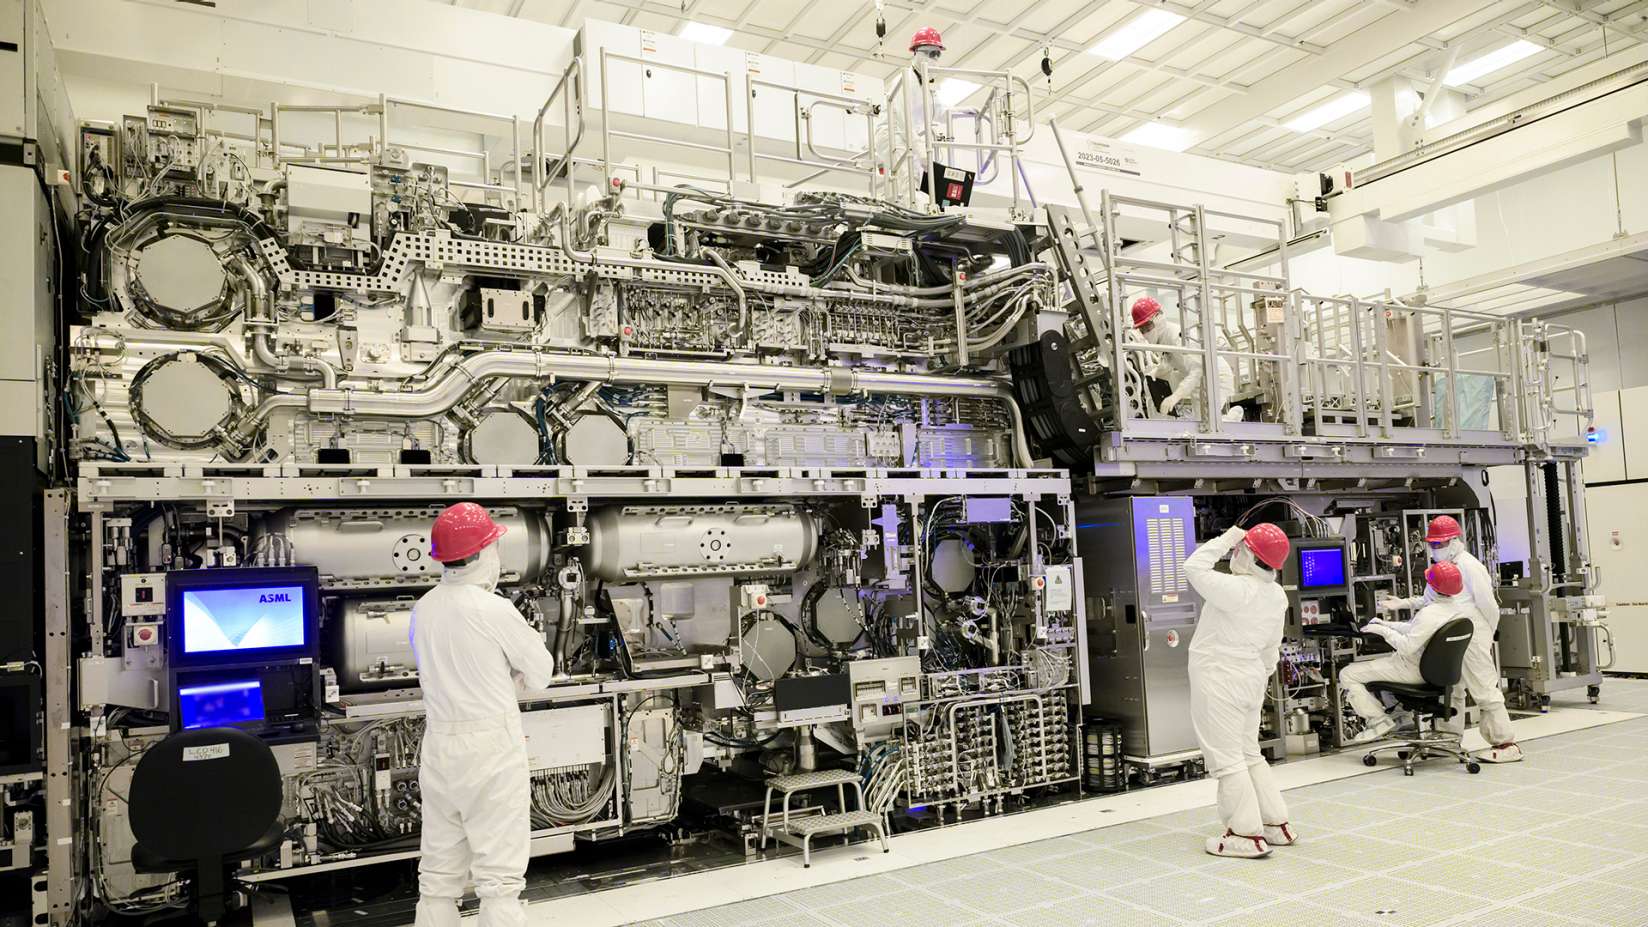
(1232, 656)
(1408, 640)
(470, 645)
(1481, 669)
(1183, 373)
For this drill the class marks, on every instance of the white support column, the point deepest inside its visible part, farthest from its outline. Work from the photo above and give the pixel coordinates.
(1393, 100)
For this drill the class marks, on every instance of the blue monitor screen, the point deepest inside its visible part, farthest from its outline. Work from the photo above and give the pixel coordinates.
(220, 704)
(235, 619)
(1321, 567)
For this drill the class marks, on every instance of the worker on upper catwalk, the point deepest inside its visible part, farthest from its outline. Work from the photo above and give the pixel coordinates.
(926, 45)
(1447, 545)
(1232, 657)
(1407, 640)
(471, 648)
(1181, 370)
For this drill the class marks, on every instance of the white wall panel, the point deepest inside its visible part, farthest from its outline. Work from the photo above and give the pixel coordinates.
(1617, 518)
(1606, 462)
(712, 93)
(668, 94)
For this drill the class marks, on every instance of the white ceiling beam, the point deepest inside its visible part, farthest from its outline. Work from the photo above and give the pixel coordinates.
(1365, 46)
(1610, 23)
(1420, 60)
(1230, 23)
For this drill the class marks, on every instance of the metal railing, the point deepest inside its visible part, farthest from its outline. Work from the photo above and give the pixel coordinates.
(571, 91)
(365, 150)
(804, 115)
(570, 88)
(483, 156)
(608, 133)
(912, 105)
(1336, 367)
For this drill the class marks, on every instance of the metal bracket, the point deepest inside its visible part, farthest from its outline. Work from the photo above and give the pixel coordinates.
(1222, 451)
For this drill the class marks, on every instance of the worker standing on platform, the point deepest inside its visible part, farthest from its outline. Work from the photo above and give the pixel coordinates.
(1181, 369)
(927, 110)
(471, 646)
(1447, 543)
(1232, 656)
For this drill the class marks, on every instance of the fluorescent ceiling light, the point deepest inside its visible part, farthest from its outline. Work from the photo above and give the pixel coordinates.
(708, 35)
(1158, 135)
(1331, 111)
(953, 90)
(1140, 31)
(1491, 62)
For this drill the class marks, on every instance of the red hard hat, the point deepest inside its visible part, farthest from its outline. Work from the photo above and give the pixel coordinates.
(461, 531)
(926, 35)
(1445, 578)
(1144, 309)
(1443, 528)
(1268, 543)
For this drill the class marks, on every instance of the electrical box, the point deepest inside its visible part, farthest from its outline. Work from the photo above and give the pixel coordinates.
(142, 594)
(558, 737)
(880, 691)
(333, 205)
(1058, 593)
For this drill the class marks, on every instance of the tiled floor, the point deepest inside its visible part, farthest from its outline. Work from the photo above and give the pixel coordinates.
(1560, 839)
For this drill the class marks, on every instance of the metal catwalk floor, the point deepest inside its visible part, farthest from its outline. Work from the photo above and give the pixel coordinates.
(1560, 839)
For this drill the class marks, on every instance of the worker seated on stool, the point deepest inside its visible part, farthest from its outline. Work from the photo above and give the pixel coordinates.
(1407, 640)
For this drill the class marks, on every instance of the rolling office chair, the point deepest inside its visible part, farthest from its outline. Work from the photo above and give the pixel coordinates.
(1442, 664)
(200, 802)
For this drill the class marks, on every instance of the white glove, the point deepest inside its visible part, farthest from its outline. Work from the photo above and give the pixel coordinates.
(1234, 534)
(1170, 403)
(1387, 606)
(1157, 372)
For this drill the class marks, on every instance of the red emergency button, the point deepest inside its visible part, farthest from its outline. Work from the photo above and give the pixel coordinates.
(1039, 582)
(761, 600)
(629, 330)
(144, 635)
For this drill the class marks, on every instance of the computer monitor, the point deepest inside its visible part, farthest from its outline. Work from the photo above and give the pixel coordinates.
(230, 616)
(234, 703)
(1321, 568)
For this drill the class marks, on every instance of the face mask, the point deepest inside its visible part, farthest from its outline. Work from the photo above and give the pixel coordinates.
(484, 571)
(491, 566)
(1448, 552)
(1164, 333)
(1242, 562)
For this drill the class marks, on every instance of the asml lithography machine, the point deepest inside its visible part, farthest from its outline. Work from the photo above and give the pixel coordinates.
(830, 478)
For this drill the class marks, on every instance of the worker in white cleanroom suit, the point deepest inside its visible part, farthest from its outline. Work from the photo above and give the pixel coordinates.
(471, 647)
(1447, 544)
(928, 109)
(1182, 371)
(1407, 640)
(1232, 657)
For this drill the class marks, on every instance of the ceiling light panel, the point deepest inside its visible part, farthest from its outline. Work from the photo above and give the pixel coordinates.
(1330, 112)
(1138, 32)
(1160, 135)
(1495, 60)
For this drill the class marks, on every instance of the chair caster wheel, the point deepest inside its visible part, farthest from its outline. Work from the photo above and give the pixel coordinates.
(1473, 768)
(1370, 760)
(1407, 770)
